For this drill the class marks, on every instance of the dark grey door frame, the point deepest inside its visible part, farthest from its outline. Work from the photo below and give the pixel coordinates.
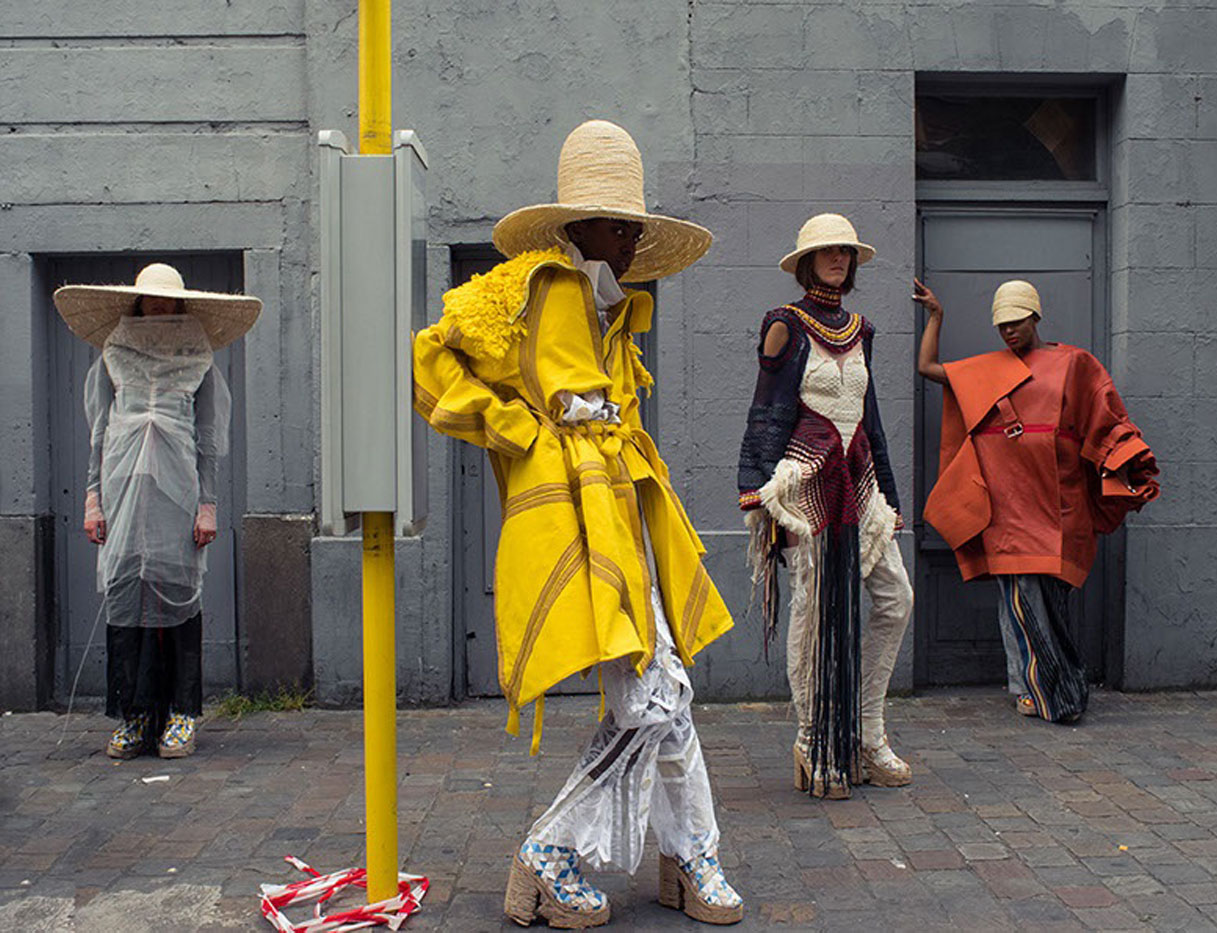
(938, 201)
(226, 272)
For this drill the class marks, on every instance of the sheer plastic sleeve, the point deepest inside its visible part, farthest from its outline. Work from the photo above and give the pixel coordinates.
(212, 413)
(99, 396)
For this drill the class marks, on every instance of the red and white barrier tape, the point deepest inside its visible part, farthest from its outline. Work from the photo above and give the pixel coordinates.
(320, 888)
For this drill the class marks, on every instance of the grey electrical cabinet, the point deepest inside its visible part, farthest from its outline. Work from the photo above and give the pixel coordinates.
(373, 301)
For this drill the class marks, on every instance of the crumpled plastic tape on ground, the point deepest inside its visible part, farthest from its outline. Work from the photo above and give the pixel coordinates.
(320, 888)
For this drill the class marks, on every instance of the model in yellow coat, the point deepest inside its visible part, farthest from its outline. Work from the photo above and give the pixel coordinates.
(598, 563)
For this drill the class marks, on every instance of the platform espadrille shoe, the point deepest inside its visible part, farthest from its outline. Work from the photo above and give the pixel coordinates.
(812, 781)
(130, 738)
(698, 888)
(177, 741)
(882, 767)
(546, 881)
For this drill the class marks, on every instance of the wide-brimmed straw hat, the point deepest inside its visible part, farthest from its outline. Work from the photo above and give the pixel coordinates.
(1015, 300)
(821, 231)
(92, 311)
(600, 175)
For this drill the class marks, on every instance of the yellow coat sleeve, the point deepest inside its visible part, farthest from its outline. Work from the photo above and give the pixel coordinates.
(456, 402)
(563, 351)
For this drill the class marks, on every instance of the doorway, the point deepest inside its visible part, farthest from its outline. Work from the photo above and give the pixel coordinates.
(77, 601)
(1011, 183)
(966, 251)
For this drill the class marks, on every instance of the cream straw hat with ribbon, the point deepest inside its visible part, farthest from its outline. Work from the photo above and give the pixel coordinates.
(600, 175)
(821, 231)
(1015, 300)
(92, 311)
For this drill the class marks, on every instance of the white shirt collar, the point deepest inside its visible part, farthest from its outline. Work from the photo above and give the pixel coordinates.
(606, 291)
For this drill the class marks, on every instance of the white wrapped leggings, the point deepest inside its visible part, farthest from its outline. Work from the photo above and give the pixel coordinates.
(642, 767)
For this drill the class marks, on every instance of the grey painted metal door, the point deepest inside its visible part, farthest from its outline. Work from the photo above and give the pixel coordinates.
(965, 253)
(76, 596)
(477, 528)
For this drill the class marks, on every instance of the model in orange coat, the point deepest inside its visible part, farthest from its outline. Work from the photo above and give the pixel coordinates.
(1038, 457)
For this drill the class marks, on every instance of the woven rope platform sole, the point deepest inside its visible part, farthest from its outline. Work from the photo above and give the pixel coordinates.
(176, 751)
(677, 891)
(806, 781)
(125, 754)
(877, 776)
(528, 897)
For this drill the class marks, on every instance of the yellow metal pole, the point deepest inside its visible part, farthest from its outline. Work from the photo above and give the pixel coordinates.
(375, 78)
(379, 705)
(379, 669)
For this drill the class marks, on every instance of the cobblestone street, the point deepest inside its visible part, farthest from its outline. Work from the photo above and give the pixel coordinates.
(1009, 824)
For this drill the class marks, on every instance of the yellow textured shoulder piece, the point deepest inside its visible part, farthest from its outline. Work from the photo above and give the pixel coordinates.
(486, 309)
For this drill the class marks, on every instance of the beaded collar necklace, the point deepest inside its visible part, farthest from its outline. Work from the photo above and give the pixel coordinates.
(837, 338)
(825, 295)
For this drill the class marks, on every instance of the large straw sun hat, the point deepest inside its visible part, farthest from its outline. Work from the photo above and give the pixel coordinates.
(92, 311)
(600, 175)
(821, 231)
(1015, 300)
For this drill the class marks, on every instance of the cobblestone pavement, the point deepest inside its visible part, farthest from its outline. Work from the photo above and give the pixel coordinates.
(1010, 823)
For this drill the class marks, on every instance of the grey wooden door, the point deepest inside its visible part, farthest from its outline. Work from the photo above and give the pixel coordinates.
(478, 522)
(76, 597)
(965, 253)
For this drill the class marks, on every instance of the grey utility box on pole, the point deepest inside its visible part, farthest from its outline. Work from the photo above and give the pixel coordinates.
(373, 300)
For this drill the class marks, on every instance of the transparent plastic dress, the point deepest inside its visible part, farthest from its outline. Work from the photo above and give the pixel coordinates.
(158, 411)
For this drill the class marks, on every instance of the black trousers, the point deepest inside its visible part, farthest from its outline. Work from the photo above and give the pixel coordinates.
(155, 670)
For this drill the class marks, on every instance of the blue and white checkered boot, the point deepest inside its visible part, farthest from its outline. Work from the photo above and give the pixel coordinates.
(699, 888)
(546, 881)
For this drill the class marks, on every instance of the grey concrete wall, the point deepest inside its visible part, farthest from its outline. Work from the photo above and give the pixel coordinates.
(492, 105)
(1164, 334)
(26, 622)
(423, 632)
(159, 128)
(276, 606)
(166, 129)
(194, 128)
(803, 107)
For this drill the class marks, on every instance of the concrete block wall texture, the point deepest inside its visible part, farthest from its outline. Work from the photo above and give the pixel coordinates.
(492, 90)
(194, 128)
(161, 128)
(806, 107)
(1163, 330)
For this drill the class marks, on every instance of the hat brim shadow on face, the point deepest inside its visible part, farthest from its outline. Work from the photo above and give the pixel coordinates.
(790, 262)
(1013, 316)
(668, 244)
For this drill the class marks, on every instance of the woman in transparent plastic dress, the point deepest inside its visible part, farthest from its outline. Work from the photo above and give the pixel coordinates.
(158, 410)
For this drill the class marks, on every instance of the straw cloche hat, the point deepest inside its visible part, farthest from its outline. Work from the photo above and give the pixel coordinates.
(821, 231)
(600, 175)
(92, 311)
(1015, 300)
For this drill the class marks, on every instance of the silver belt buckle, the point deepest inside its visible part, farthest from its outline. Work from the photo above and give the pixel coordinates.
(1013, 430)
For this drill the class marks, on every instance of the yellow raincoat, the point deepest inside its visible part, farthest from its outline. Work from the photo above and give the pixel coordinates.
(572, 582)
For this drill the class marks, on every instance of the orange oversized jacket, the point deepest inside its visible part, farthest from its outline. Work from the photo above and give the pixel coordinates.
(1034, 463)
